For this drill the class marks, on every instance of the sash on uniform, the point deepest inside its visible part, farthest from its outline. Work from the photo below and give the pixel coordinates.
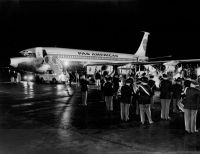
(185, 90)
(144, 89)
(181, 105)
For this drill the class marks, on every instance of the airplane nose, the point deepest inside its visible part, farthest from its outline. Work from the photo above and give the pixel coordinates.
(14, 62)
(19, 60)
(22, 53)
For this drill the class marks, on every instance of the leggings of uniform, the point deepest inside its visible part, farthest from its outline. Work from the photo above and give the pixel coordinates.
(98, 82)
(109, 103)
(165, 104)
(190, 120)
(145, 108)
(124, 111)
(84, 97)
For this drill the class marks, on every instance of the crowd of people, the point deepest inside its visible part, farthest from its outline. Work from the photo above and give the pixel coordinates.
(15, 77)
(184, 94)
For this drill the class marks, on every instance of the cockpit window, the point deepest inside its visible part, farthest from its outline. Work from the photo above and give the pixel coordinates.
(50, 71)
(28, 53)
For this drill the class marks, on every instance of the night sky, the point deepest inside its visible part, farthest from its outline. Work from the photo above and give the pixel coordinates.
(102, 25)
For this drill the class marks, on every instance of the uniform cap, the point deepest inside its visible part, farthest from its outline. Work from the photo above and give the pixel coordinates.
(165, 76)
(144, 80)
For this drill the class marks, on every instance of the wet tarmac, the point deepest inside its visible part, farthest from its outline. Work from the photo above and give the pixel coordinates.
(45, 119)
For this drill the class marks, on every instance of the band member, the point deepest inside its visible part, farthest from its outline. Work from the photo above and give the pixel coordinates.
(152, 85)
(84, 89)
(177, 89)
(116, 81)
(108, 93)
(98, 79)
(126, 99)
(165, 96)
(191, 104)
(144, 92)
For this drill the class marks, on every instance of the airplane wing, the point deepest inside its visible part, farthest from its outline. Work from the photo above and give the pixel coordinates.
(189, 60)
(167, 62)
(149, 62)
(106, 63)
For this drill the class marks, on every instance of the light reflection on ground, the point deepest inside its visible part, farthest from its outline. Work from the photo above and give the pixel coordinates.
(28, 89)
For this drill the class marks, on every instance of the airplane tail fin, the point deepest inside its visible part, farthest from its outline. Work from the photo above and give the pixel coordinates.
(141, 52)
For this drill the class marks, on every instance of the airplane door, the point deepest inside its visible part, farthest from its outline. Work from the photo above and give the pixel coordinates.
(40, 52)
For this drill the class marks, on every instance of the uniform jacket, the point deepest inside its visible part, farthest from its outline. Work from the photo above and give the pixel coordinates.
(84, 85)
(152, 85)
(165, 89)
(116, 81)
(126, 94)
(177, 89)
(144, 98)
(97, 76)
(192, 99)
(108, 89)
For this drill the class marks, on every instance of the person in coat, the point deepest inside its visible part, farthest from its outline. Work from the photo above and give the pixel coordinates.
(177, 89)
(108, 93)
(145, 93)
(116, 81)
(98, 79)
(84, 89)
(126, 99)
(165, 96)
(152, 85)
(191, 104)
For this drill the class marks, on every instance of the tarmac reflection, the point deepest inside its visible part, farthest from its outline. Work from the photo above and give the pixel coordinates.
(28, 89)
(54, 122)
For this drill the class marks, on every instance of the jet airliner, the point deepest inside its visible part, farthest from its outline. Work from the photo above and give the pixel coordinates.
(40, 59)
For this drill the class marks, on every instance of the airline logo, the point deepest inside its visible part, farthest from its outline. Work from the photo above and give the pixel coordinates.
(97, 54)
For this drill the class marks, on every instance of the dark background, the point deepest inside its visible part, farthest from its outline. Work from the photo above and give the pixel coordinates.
(102, 25)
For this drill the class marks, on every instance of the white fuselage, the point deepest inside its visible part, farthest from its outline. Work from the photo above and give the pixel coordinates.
(90, 56)
(86, 57)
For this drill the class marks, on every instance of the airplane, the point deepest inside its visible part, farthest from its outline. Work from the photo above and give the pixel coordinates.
(40, 59)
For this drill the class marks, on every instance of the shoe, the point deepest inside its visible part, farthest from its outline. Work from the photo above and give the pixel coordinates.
(186, 132)
(168, 118)
(151, 122)
(196, 131)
